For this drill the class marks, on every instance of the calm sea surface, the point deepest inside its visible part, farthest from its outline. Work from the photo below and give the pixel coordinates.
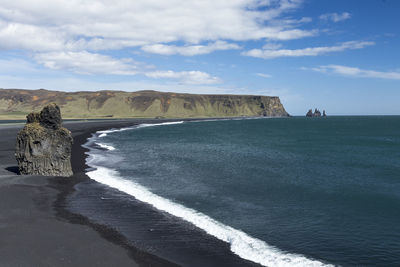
(323, 189)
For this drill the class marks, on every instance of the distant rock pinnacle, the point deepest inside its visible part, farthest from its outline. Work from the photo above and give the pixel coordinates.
(316, 113)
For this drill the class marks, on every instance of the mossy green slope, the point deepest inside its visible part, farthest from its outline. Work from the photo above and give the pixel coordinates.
(16, 103)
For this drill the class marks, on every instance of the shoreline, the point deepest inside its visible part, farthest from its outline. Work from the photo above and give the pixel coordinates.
(99, 238)
(38, 228)
(221, 255)
(78, 161)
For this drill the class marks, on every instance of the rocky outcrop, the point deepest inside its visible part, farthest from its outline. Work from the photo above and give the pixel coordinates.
(142, 104)
(43, 145)
(316, 113)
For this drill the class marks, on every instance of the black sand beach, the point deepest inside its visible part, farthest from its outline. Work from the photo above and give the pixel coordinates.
(34, 228)
(38, 228)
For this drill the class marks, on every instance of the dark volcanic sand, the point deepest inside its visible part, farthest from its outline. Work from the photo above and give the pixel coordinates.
(35, 230)
(40, 225)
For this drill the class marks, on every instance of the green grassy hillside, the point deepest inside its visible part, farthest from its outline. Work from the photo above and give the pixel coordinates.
(16, 104)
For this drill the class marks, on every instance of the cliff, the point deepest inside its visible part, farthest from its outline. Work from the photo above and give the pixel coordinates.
(15, 103)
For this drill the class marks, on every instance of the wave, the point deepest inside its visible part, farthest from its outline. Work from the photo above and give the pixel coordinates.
(242, 244)
(104, 133)
(108, 147)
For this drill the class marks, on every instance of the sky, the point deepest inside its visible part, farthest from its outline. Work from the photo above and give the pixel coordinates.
(341, 56)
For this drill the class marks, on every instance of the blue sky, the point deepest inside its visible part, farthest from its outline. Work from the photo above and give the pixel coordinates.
(342, 56)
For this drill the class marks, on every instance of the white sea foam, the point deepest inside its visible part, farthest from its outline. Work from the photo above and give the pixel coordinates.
(242, 244)
(105, 146)
(157, 124)
(104, 133)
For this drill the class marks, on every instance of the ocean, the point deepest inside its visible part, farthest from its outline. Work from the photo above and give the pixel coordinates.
(276, 191)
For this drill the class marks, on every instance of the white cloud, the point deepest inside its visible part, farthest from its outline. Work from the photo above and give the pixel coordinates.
(46, 25)
(335, 17)
(284, 35)
(92, 63)
(292, 22)
(83, 84)
(272, 46)
(73, 35)
(189, 50)
(309, 51)
(264, 75)
(87, 63)
(186, 77)
(30, 37)
(357, 72)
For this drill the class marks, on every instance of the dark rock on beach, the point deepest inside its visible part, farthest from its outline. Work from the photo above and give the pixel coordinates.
(43, 145)
(50, 117)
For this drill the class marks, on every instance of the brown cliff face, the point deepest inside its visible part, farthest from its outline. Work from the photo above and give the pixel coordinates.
(43, 146)
(118, 104)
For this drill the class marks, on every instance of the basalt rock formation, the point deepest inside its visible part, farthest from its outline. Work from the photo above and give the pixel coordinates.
(43, 145)
(15, 103)
(316, 113)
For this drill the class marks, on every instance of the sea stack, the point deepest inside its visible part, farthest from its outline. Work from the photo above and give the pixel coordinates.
(43, 145)
(316, 113)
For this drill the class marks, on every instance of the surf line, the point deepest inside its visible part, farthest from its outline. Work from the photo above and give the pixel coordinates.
(241, 244)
